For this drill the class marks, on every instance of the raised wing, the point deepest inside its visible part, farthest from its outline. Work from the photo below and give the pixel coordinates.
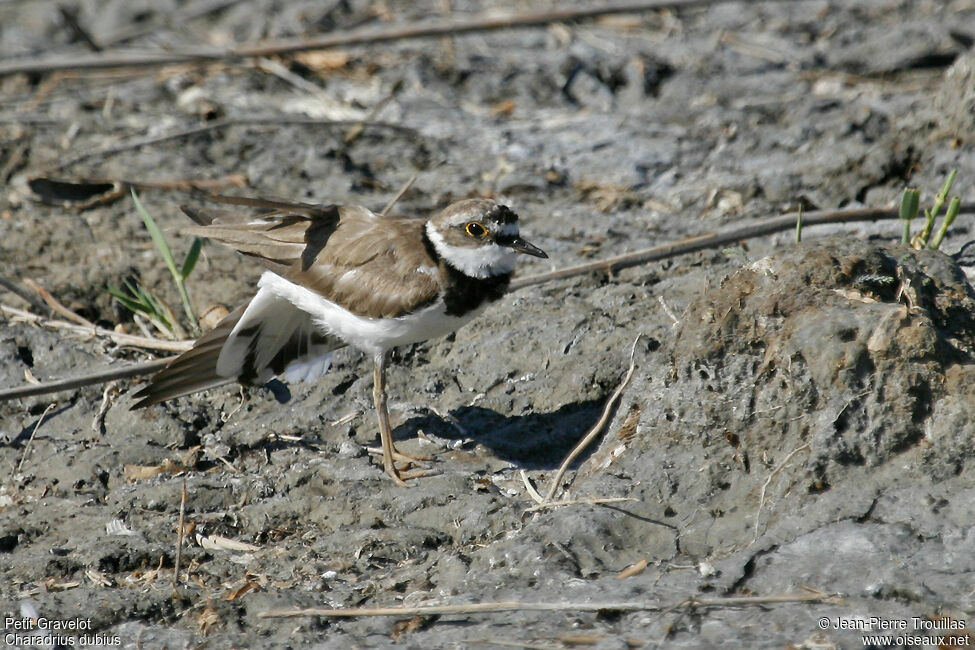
(369, 265)
(279, 239)
(259, 340)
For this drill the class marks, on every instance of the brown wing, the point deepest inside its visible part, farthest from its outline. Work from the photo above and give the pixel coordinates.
(374, 266)
(370, 265)
(278, 239)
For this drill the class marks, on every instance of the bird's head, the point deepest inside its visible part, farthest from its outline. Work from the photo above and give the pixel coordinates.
(479, 237)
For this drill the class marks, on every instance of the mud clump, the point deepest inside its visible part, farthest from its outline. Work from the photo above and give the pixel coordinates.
(830, 366)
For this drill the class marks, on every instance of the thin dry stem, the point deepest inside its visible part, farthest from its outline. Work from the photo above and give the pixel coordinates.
(341, 38)
(56, 305)
(596, 428)
(532, 492)
(668, 311)
(37, 426)
(179, 536)
(695, 243)
(92, 330)
(108, 396)
(592, 501)
(516, 605)
(768, 480)
(283, 73)
(403, 190)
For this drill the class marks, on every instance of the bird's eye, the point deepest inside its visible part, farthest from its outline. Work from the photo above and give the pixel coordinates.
(475, 229)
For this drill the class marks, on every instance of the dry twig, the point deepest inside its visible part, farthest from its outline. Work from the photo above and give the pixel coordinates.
(768, 480)
(179, 536)
(117, 337)
(595, 430)
(713, 240)
(31, 439)
(403, 190)
(431, 28)
(56, 305)
(520, 606)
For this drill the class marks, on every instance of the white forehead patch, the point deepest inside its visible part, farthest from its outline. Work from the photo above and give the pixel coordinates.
(481, 262)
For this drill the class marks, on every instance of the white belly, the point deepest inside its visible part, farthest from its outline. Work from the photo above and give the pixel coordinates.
(371, 335)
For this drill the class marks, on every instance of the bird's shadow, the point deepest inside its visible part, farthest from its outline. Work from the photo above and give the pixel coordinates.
(533, 441)
(25, 434)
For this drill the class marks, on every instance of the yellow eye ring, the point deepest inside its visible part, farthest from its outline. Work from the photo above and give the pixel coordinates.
(476, 229)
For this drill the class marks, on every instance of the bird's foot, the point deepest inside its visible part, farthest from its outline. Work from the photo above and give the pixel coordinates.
(400, 476)
(408, 458)
(404, 467)
(394, 474)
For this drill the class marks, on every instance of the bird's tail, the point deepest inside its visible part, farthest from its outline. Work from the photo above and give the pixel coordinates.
(268, 336)
(195, 369)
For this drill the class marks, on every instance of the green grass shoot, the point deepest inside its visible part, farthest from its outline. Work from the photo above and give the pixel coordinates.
(139, 300)
(910, 202)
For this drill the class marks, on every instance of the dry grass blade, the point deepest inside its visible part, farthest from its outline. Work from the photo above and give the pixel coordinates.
(596, 428)
(517, 605)
(131, 370)
(403, 190)
(117, 337)
(54, 304)
(532, 492)
(37, 426)
(425, 29)
(696, 243)
(179, 535)
(768, 481)
(586, 501)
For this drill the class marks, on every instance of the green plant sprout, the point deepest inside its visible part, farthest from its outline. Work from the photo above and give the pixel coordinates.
(953, 207)
(910, 204)
(140, 300)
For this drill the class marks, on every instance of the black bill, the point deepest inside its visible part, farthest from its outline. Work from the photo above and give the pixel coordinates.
(520, 245)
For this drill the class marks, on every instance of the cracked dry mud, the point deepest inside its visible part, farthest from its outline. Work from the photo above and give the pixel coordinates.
(800, 416)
